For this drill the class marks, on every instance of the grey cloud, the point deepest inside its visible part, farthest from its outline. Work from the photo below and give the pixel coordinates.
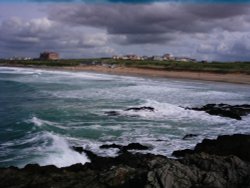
(138, 39)
(43, 34)
(204, 31)
(217, 11)
(152, 19)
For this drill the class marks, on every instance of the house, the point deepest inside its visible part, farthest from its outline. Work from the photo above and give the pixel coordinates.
(168, 57)
(116, 57)
(157, 58)
(20, 58)
(49, 56)
(134, 57)
(185, 59)
(145, 58)
(124, 58)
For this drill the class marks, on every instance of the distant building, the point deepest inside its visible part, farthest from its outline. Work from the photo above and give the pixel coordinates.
(20, 58)
(116, 57)
(133, 57)
(124, 58)
(49, 56)
(120, 57)
(145, 58)
(157, 58)
(185, 59)
(167, 57)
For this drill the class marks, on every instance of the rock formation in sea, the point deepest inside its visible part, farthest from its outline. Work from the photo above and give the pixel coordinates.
(134, 109)
(225, 110)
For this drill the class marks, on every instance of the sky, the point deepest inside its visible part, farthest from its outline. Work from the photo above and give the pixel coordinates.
(205, 29)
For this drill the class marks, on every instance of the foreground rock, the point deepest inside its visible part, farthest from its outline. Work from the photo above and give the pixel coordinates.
(238, 145)
(141, 170)
(225, 110)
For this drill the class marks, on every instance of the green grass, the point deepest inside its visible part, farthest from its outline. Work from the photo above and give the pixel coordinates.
(218, 67)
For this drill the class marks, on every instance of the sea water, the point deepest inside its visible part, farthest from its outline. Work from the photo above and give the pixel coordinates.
(44, 113)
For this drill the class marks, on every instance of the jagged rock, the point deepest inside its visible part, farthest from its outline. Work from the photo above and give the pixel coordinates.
(237, 145)
(225, 110)
(200, 170)
(181, 153)
(78, 149)
(136, 109)
(112, 113)
(108, 146)
(218, 171)
(135, 146)
(146, 108)
(131, 146)
(188, 136)
(142, 170)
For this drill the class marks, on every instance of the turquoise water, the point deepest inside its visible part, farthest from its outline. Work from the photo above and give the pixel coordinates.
(44, 113)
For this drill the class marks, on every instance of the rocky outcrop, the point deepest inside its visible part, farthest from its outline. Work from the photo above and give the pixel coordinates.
(112, 113)
(189, 136)
(237, 145)
(200, 170)
(135, 109)
(131, 146)
(207, 168)
(143, 108)
(225, 110)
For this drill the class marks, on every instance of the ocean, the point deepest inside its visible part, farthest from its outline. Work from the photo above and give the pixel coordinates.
(43, 113)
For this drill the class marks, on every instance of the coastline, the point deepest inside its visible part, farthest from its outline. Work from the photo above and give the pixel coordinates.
(237, 78)
(219, 163)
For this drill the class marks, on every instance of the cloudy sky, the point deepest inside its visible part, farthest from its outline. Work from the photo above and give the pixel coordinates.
(205, 29)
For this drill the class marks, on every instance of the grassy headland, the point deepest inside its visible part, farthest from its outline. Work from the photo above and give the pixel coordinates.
(213, 67)
(217, 67)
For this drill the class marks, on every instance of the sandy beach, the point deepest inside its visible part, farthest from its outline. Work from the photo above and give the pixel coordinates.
(219, 77)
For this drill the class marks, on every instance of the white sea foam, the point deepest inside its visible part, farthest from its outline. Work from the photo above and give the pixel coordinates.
(49, 149)
(16, 70)
(174, 112)
(40, 123)
(60, 153)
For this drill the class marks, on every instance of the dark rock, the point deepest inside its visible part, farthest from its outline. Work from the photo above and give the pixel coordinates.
(142, 170)
(107, 146)
(78, 149)
(187, 136)
(181, 153)
(146, 108)
(136, 109)
(112, 113)
(200, 170)
(131, 146)
(135, 146)
(225, 110)
(237, 145)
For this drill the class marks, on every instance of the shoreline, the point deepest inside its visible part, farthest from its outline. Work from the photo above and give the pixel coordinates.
(236, 78)
(221, 162)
